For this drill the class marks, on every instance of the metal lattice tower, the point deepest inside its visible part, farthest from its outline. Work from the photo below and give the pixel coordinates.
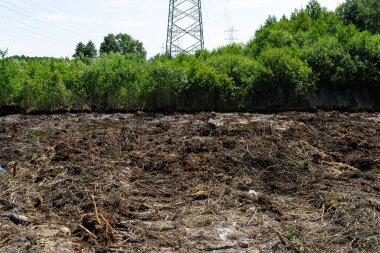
(185, 27)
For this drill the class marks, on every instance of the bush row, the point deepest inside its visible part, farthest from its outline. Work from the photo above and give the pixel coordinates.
(309, 52)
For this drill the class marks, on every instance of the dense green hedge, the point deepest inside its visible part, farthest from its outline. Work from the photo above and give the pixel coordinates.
(312, 50)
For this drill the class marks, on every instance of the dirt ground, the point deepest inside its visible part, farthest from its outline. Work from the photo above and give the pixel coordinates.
(288, 182)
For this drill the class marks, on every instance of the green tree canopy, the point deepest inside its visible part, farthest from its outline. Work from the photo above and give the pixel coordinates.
(364, 14)
(314, 9)
(3, 53)
(90, 50)
(87, 51)
(123, 44)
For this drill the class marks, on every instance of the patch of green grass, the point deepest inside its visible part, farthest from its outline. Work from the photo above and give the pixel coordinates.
(293, 236)
(39, 133)
(248, 126)
(303, 165)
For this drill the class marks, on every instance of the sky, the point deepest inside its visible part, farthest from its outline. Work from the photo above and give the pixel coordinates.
(54, 27)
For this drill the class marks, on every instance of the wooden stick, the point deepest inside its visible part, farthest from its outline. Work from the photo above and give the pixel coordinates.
(282, 237)
(96, 209)
(5, 240)
(88, 231)
(107, 223)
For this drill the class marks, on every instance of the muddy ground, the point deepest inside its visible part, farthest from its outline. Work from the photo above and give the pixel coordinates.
(288, 182)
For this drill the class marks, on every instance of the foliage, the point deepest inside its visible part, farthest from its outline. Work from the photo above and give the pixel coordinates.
(123, 44)
(364, 14)
(365, 50)
(282, 70)
(9, 73)
(314, 9)
(42, 85)
(332, 63)
(164, 85)
(110, 81)
(308, 51)
(3, 53)
(293, 237)
(85, 51)
(5, 87)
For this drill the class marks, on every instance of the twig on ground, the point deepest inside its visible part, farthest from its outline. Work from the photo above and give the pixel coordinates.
(96, 209)
(282, 237)
(5, 240)
(147, 152)
(323, 212)
(107, 223)
(88, 231)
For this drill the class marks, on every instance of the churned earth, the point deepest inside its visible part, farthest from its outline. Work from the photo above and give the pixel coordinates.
(208, 182)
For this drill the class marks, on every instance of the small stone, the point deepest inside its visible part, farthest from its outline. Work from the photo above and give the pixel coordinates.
(65, 231)
(30, 237)
(243, 245)
(253, 192)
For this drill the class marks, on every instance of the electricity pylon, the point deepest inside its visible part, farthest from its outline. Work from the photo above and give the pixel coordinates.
(231, 31)
(185, 27)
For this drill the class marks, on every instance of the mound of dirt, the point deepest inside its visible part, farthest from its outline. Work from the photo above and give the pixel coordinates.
(288, 182)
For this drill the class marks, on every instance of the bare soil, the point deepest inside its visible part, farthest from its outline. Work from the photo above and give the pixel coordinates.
(288, 182)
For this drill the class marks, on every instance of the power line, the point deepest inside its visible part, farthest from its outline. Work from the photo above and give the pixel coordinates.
(26, 24)
(214, 34)
(23, 35)
(54, 6)
(30, 31)
(37, 29)
(207, 18)
(25, 14)
(227, 13)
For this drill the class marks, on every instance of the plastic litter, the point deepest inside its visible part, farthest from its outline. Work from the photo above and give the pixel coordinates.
(253, 192)
(19, 219)
(2, 170)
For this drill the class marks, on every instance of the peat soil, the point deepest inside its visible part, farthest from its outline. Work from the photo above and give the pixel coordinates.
(209, 182)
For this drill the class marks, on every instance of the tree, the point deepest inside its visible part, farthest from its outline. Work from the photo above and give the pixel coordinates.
(314, 9)
(331, 62)
(109, 45)
(364, 14)
(5, 87)
(85, 51)
(3, 53)
(79, 50)
(123, 44)
(90, 50)
(282, 70)
(271, 20)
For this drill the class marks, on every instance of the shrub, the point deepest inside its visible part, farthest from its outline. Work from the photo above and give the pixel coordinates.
(281, 69)
(332, 64)
(111, 81)
(43, 87)
(164, 86)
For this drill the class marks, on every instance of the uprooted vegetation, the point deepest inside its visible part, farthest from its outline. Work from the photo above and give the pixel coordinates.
(290, 182)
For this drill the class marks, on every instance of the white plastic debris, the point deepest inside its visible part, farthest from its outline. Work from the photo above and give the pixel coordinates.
(253, 192)
(2, 170)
